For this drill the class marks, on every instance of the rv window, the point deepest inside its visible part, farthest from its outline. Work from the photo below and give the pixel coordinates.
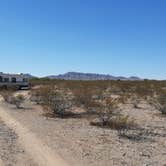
(14, 80)
(1, 79)
(6, 79)
(25, 80)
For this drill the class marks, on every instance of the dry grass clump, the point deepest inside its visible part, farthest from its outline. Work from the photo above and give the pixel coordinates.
(121, 123)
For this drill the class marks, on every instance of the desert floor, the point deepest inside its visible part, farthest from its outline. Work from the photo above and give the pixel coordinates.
(29, 138)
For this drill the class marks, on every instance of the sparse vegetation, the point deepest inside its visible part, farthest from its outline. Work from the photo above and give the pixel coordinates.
(91, 95)
(118, 113)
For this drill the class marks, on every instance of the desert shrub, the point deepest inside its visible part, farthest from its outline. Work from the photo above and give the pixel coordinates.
(109, 116)
(159, 103)
(143, 90)
(17, 100)
(38, 95)
(87, 97)
(59, 103)
(83, 97)
(135, 101)
(56, 100)
(121, 123)
(106, 111)
(6, 94)
(109, 106)
(9, 88)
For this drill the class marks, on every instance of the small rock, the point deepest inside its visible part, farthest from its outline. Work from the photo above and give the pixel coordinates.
(124, 154)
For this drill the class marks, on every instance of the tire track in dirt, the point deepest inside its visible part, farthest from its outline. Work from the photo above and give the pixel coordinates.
(41, 153)
(11, 153)
(8, 145)
(1, 163)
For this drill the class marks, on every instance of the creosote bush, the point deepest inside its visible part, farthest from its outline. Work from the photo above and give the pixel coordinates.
(56, 100)
(108, 107)
(17, 100)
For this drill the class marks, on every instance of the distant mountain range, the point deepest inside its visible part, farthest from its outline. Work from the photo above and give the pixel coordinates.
(89, 76)
(29, 76)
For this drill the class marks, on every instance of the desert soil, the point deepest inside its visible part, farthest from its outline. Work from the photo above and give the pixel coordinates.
(77, 143)
(11, 152)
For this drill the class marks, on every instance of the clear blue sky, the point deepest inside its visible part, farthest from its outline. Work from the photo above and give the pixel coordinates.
(118, 37)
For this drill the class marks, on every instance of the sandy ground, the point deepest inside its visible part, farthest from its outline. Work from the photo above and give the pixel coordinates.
(15, 139)
(11, 152)
(80, 144)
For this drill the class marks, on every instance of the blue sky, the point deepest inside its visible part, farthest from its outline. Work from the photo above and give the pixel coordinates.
(118, 37)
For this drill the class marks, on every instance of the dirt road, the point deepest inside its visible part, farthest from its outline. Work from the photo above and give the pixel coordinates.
(11, 152)
(19, 147)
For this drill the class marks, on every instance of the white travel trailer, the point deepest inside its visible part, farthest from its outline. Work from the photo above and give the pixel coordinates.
(14, 80)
